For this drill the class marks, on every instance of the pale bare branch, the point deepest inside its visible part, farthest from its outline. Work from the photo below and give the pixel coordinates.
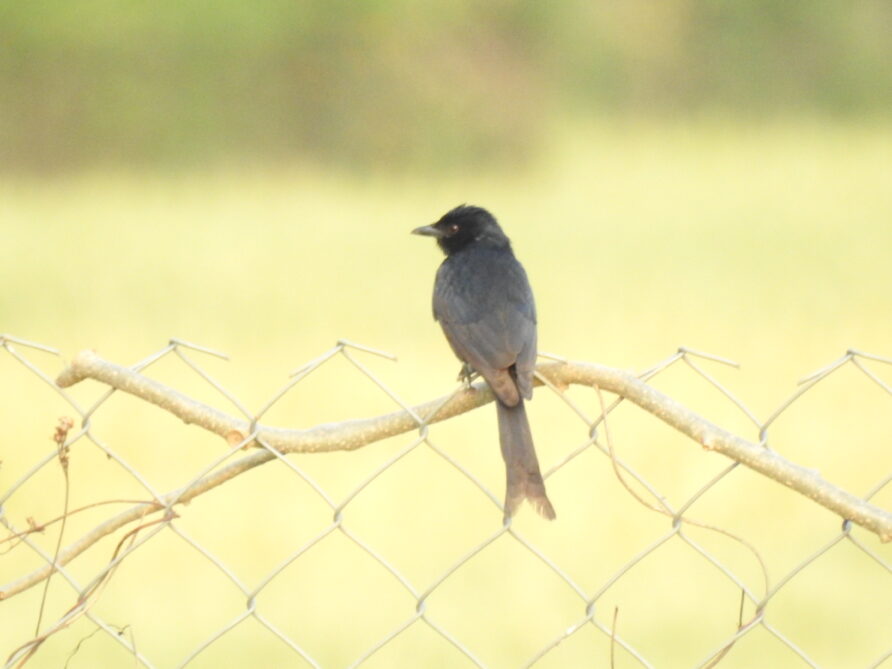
(353, 434)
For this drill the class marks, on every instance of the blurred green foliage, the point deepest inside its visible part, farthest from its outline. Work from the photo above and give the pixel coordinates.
(389, 83)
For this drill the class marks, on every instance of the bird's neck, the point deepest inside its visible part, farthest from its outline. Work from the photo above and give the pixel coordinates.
(485, 241)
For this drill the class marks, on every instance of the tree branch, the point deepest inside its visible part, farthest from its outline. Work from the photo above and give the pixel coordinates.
(353, 434)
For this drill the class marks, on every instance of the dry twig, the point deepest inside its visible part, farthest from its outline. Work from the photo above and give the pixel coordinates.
(353, 434)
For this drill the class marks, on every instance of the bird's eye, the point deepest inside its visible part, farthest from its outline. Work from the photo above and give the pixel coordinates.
(453, 228)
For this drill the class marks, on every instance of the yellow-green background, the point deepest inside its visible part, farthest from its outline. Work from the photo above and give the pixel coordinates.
(747, 216)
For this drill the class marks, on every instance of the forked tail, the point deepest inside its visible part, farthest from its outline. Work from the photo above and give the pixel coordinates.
(521, 465)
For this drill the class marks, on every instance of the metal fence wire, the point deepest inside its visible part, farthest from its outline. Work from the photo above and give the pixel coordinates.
(105, 575)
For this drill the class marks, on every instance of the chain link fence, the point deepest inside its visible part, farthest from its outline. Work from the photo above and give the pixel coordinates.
(102, 572)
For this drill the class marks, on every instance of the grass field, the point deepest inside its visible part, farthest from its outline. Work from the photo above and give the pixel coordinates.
(768, 245)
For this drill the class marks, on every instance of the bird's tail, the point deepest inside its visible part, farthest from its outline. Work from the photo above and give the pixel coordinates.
(521, 464)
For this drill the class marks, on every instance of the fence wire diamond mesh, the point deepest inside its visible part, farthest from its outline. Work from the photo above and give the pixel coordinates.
(67, 565)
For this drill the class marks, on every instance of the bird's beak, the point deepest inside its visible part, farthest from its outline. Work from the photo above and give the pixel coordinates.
(428, 231)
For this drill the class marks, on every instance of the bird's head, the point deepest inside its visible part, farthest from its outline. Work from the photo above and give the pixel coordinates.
(463, 226)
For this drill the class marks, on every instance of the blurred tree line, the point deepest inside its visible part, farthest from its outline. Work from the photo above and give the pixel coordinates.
(394, 82)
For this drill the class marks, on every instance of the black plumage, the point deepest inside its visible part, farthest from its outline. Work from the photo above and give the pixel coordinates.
(484, 303)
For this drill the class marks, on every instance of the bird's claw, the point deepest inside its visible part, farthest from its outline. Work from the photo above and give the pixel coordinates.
(466, 375)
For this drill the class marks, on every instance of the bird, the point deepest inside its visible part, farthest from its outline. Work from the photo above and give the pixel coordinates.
(484, 304)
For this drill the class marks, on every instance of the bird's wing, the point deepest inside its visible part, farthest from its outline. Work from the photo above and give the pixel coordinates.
(486, 309)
